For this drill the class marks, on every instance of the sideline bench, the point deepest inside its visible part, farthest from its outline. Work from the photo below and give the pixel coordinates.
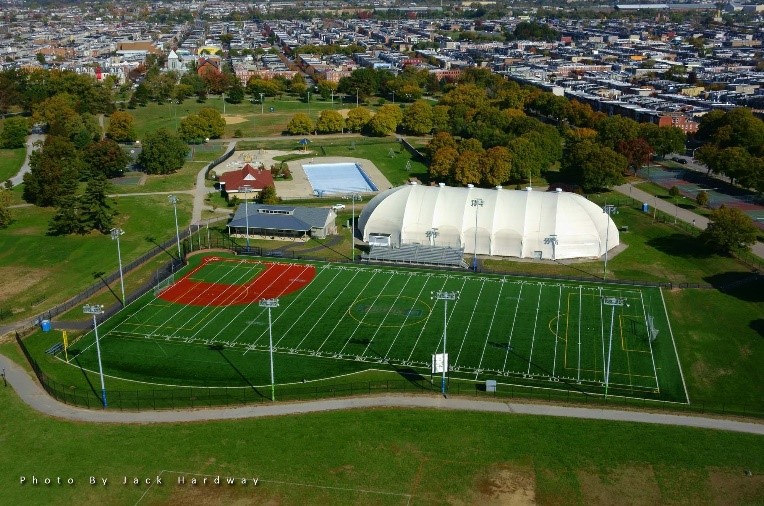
(56, 348)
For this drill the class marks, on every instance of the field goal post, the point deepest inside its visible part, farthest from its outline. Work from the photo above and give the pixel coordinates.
(164, 284)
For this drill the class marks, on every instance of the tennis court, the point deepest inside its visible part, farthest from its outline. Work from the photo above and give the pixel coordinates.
(208, 328)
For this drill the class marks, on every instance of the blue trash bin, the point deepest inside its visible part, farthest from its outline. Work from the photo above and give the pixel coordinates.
(45, 325)
(645, 207)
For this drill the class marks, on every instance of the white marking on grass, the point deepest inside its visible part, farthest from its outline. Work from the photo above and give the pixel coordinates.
(512, 330)
(400, 329)
(469, 323)
(602, 334)
(535, 326)
(580, 306)
(360, 322)
(421, 331)
(380, 326)
(490, 326)
(557, 333)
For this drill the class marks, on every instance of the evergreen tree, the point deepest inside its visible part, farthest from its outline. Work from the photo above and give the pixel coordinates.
(96, 212)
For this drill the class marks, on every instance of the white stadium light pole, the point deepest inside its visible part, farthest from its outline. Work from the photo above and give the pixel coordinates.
(115, 233)
(608, 210)
(552, 239)
(245, 189)
(174, 201)
(353, 198)
(445, 297)
(95, 310)
(270, 304)
(477, 204)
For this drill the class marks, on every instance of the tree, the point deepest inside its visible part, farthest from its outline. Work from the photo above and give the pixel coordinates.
(664, 140)
(235, 93)
(636, 152)
(527, 158)
(121, 127)
(615, 129)
(330, 122)
(6, 216)
(96, 212)
(105, 157)
(417, 118)
(163, 152)
(729, 231)
(193, 129)
(55, 112)
(498, 166)
(215, 122)
(14, 133)
(702, 198)
(440, 140)
(54, 172)
(357, 119)
(300, 124)
(592, 165)
(468, 168)
(440, 118)
(83, 129)
(442, 164)
(268, 195)
(385, 121)
(67, 218)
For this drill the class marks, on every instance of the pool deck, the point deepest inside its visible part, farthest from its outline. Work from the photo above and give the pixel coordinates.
(300, 187)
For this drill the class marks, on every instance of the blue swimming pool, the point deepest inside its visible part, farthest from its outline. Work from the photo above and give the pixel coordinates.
(329, 178)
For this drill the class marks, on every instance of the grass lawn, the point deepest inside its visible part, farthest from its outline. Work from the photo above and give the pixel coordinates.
(38, 271)
(383, 456)
(11, 161)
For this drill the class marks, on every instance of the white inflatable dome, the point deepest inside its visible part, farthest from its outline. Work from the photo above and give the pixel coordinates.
(510, 223)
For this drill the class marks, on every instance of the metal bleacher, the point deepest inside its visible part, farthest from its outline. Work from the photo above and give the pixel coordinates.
(419, 254)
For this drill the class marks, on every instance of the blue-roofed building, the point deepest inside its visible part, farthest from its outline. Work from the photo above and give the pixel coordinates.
(282, 222)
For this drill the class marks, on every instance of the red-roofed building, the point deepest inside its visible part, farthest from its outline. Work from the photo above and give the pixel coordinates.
(245, 183)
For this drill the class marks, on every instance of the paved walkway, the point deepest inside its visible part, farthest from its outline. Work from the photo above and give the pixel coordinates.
(32, 394)
(680, 213)
(31, 140)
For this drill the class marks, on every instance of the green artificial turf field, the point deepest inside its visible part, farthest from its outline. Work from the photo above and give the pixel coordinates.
(336, 319)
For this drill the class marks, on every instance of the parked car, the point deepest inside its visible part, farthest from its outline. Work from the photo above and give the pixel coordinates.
(338, 207)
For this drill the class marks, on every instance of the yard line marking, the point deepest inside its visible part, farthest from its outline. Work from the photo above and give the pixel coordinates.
(488, 334)
(360, 322)
(421, 331)
(650, 343)
(535, 326)
(347, 312)
(512, 330)
(557, 333)
(580, 305)
(676, 353)
(379, 327)
(469, 324)
(350, 281)
(400, 329)
(602, 334)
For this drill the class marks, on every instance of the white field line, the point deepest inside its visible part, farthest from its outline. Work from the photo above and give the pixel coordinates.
(438, 346)
(400, 329)
(512, 330)
(557, 334)
(350, 306)
(469, 323)
(421, 331)
(326, 312)
(535, 327)
(381, 325)
(602, 338)
(233, 319)
(580, 308)
(392, 275)
(301, 293)
(490, 326)
(225, 294)
(676, 353)
(650, 343)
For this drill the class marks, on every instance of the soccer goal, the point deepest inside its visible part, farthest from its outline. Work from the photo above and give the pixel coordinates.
(164, 284)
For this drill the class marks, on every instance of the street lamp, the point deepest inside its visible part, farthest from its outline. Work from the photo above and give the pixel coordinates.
(612, 302)
(261, 103)
(245, 189)
(95, 310)
(270, 304)
(356, 98)
(115, 233)
(477, 204)
(308, 103)
(353, 198)
(431, 235)
(609, 210)
(445, 297)
(552, 239)
(172, 199)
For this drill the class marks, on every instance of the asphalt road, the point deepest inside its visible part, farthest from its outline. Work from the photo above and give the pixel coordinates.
(31, 393)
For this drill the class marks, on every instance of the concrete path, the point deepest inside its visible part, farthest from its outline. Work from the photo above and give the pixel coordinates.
(201, 191)
(681, 214)
(31, 140)
(31, 393)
